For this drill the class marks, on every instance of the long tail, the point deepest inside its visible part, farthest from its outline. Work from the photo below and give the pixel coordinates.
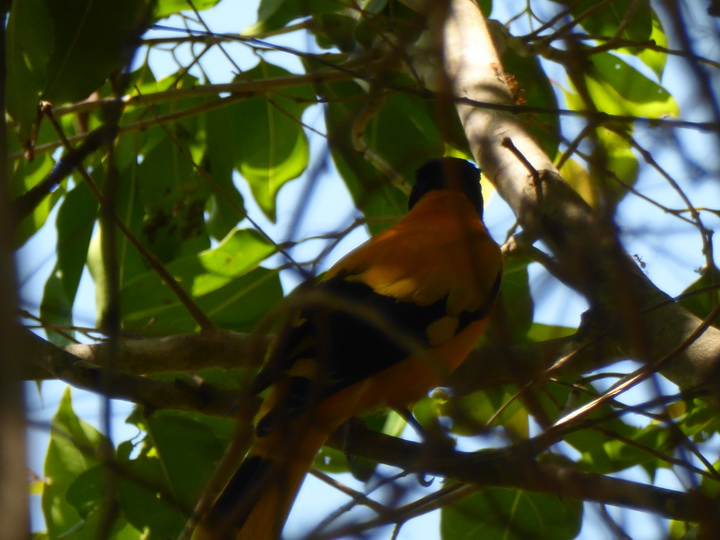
(257, 500)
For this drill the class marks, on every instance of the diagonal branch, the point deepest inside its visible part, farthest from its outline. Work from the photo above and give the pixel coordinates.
(584, 244)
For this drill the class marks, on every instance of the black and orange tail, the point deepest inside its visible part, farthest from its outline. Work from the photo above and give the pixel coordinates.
(256, 501)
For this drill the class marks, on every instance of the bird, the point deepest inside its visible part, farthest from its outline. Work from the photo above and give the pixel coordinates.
(383, 327)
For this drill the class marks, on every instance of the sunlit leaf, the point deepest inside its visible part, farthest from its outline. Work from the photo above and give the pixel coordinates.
(543, 332)
(164, 8)
(618, 88)
(272, 147)
(653, 59)
(578, 177)
(613, 170)
(26, 176)
(606, 18)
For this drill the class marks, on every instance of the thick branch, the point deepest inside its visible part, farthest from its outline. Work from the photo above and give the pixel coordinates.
(486, 367)
(13, 461)
(186, 352)
(85, 371)
(585, 246)
(506, 468)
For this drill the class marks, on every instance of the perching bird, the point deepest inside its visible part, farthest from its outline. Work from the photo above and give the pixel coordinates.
(388, 323)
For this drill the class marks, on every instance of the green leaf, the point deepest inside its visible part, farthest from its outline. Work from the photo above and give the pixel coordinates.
(28, 174)
(225, 206)
(703, 295)
(161, 198)
(75, 222)
(73, 449)
(331, 461)
(272, 145)
(173, 194)
(601, 452)
(514, 307)
(620, 159)
(165, 8)
(87, 495)
(275, 14)
(146, 498)
(618, 88)
(335, 30)
(579, 178)
(154, 310)
(508, 514)
(91, 40)
(654, 437)
(403, 134)
(701, 422)
(543, 332)
(655, 60)
(599, 187)
(398, 20)
(471, 413)
(29, 45)
(163, 481)
(188, 451)
(241, 251)
(605, 18)
(87, 491)
(131, 206)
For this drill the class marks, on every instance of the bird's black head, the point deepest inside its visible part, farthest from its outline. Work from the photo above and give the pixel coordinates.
(448, 173)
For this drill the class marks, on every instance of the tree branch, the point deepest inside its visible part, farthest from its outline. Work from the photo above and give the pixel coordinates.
(486, 367)
(14, 514)
(511, 469)
(84, 371)
(585, 244)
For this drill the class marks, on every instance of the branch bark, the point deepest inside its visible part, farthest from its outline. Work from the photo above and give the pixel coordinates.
(79, 364)
(511, 469)
(646, 324)
(14, 514)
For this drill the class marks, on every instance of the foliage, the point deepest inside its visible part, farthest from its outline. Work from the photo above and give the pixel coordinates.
(166, 215)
